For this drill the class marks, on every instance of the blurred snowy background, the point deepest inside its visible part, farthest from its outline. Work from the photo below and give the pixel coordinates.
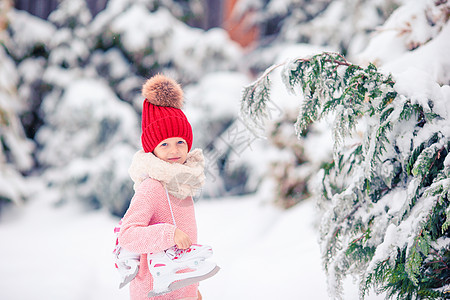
(69, 124)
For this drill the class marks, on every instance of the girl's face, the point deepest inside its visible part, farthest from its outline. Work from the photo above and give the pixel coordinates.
(172, 150)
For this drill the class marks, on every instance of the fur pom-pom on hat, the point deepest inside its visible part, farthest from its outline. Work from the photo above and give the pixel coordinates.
(163, 91)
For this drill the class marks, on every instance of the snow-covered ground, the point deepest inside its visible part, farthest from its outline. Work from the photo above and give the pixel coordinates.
(64, 252)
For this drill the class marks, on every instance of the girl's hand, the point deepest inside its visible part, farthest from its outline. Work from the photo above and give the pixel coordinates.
(181, 239)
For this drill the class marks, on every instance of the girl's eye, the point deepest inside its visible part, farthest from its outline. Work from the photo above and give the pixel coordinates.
(180, 142)
(163, 144)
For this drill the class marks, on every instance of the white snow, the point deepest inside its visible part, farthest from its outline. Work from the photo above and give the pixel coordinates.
(136, 26)
(37, 31)
(56, 253)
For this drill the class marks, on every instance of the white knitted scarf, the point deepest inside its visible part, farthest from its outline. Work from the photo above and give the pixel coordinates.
(180, 180)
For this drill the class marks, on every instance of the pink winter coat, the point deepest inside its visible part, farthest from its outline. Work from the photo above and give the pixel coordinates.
(147, 227)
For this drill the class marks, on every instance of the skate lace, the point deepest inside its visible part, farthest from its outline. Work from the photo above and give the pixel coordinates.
(170, 206)
(178, 253)
(175, 253)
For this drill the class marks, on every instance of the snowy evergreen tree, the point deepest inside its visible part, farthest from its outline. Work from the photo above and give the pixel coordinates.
(150, 35)
(86, 136)
(111, 54)
(89, 134)
(387, 209)
(28, 46)
(291, 174)
(15, 149)
(385, 193)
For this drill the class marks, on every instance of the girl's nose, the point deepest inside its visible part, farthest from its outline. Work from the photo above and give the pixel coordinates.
(173, 150)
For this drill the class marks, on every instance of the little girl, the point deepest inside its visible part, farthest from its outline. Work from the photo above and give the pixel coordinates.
(166, 175)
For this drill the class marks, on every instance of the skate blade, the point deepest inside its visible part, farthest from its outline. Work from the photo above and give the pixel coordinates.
(154, 294)
(128, 279)
(184, 282)
(188, 281)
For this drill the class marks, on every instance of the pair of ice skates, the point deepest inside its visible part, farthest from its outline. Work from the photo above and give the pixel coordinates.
(171, 269)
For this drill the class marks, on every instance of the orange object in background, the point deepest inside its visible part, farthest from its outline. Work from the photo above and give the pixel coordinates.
(239, 27)
(5, 6)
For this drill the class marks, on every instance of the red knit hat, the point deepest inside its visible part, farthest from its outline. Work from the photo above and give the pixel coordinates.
(162, 117)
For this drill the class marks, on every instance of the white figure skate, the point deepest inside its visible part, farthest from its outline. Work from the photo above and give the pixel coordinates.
(176, 268)
(127, 263)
